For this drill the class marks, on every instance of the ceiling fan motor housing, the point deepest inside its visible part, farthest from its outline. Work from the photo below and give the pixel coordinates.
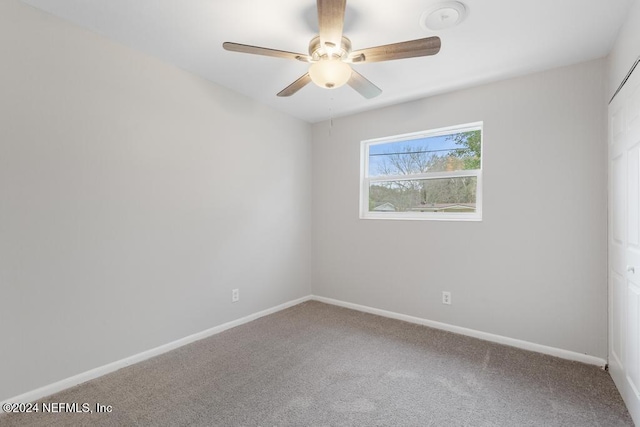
(317, 51)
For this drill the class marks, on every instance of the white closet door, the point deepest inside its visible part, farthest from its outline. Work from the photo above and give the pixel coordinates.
(624, 243)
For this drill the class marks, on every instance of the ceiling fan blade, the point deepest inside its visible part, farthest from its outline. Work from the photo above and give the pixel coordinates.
(411, 49)
(256, 50)
(331, 21)
(363, 86)
(296, 86)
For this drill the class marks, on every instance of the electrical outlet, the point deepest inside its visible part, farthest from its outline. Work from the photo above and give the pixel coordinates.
(235, 295)
(446, 297)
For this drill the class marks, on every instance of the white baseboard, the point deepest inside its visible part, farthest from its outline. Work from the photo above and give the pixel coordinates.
(525, 345)
(114, 366)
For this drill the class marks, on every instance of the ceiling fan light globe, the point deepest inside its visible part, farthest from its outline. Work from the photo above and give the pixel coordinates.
(330, 73)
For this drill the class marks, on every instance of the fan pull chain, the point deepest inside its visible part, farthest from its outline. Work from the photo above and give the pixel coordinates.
(330, 115)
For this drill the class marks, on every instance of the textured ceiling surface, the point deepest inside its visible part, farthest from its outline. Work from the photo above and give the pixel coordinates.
(498, 39)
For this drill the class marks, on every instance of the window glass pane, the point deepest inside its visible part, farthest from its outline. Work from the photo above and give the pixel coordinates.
(454, 152)
(426, 195)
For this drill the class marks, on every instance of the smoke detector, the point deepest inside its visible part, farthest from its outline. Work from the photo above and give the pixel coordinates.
(443, 15)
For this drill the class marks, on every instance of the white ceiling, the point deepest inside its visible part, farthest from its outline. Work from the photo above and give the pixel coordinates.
(498, 39)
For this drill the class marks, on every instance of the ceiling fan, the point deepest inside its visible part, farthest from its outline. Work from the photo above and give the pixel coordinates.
(330, 54)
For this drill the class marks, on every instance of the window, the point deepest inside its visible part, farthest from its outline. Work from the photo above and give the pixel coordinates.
(435, 174)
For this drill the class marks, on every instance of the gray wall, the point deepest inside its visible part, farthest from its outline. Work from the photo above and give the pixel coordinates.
(535, 268)
(133, 198)
(625, 51)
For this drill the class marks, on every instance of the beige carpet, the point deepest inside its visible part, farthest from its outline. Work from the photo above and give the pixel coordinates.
(320, 365)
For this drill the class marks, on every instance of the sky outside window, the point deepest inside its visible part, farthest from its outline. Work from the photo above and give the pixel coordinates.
(440, 146)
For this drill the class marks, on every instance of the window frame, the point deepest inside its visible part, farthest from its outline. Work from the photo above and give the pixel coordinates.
(366, 180)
